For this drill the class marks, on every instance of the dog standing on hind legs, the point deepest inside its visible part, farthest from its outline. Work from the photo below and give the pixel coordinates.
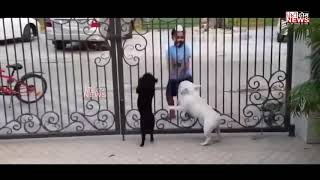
(192, 103)
(145, 91)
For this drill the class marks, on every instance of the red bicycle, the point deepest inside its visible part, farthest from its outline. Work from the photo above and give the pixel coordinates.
(29, 89)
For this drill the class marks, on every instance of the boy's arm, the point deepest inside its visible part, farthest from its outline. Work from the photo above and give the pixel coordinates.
(175, 107)
(168, 60)
(187, 64)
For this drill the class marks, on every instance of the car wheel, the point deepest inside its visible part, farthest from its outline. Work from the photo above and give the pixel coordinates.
(29, 32)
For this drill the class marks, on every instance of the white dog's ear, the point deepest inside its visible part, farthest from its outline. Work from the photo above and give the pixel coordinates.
(196, 86)
(185, 91)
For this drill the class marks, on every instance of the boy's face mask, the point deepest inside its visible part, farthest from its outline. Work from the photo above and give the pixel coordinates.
(179, 39)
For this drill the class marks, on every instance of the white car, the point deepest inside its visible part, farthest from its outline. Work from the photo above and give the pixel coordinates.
(62, 31)
(14, 28)
(282, 35)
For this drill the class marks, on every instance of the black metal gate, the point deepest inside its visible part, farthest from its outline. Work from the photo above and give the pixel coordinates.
(92, 66)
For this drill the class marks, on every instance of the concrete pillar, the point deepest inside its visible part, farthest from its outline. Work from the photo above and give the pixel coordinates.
(305, 127)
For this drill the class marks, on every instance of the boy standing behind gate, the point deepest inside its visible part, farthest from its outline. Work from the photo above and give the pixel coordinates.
(178, 64)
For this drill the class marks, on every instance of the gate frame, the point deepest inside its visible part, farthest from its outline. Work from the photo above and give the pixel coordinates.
(117, 54)
(287, 116)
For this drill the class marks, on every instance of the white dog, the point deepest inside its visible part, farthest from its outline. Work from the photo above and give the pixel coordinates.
(193, 104)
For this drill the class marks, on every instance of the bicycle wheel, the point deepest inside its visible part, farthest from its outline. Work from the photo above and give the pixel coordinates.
(30, 88)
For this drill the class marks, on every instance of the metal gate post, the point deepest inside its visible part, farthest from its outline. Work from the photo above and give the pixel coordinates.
(287, 124)
(120, 74)
(113, 54)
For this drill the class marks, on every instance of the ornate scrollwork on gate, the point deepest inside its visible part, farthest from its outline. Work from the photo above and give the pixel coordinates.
(98, 119)
(185, 120)
(133, 119)
(27, 122)
(266, 106)
(262, 106)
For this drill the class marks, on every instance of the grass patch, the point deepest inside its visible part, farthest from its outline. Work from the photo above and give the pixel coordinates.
(252, 22)
(169, 23)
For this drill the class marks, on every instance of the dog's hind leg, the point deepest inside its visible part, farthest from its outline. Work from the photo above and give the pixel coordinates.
(208, 134)
(207, 140)
(218, 133)
(143, 137)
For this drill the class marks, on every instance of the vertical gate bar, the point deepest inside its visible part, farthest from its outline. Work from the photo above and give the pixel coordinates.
(4, 100)
(138, 75)
(248, 29)
(104, 67)
(231, 93)
(24, 57)
(264, 45)
(120, 68)
(216, 65)
(279, 61)
(176, 59)
(65, 71)
(289, 80)
(271, 47)
(239, 70)
(223, 61)
(15, 56)
(40, 61)
(192, 24)
(57, 69)
(48, 63)
(131, 96)
(7, 57)
(73, 74)
(255, 48)
(152, 36)
(115, 69)
(32, 65)
(168, 56)
(208, 55)
(184, 47)
(200, 55)
(161, 63)
(145, 62)
(81, 71)
(88, 60)
(105, 85)
(145, 51)
(130, 73)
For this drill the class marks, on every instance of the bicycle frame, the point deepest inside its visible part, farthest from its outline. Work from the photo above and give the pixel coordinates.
(8, 90)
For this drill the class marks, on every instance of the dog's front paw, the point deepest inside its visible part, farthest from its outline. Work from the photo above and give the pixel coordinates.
(204, 144)
(141, 145)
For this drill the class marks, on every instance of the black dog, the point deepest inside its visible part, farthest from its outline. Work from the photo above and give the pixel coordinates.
(145, 91)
